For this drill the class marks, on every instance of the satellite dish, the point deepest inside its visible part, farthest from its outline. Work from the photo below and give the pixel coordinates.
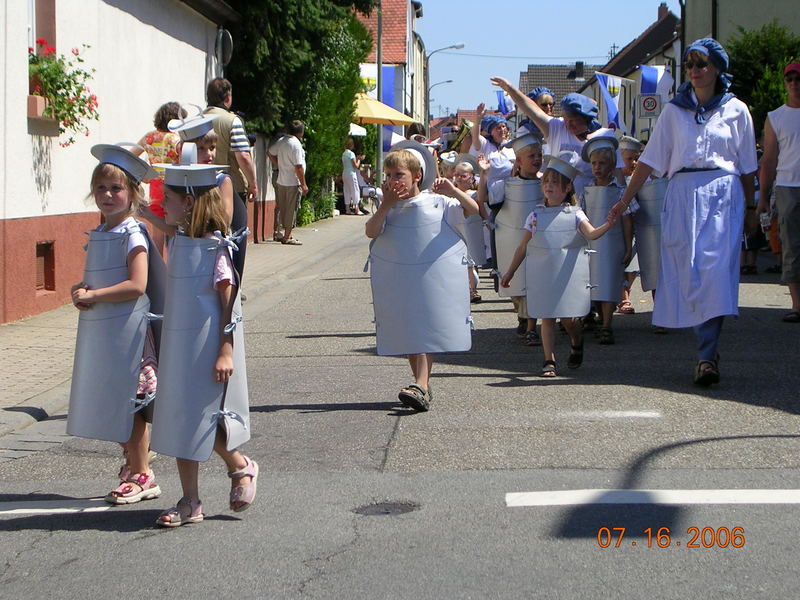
(224, 46)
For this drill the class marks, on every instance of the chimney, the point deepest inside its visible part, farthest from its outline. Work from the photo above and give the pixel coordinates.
(579, 69)
(663, 11)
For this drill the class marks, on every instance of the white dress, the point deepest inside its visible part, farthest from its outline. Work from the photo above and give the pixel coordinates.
(703, 215)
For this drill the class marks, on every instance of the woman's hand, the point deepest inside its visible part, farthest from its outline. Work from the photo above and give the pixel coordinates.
(501, 82)
(616, 212)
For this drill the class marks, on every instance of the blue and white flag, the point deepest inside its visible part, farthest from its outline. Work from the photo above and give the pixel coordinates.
(611, 88)
(501, 103)
(656, 80)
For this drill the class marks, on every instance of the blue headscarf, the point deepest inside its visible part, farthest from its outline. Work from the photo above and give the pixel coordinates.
(719, 58)
(535, 93)
(489, 122)
(579, 104)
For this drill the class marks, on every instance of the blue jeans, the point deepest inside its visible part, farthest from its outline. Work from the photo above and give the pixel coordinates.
(708, 338)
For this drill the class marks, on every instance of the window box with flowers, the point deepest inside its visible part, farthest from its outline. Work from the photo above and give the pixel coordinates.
(58, 90)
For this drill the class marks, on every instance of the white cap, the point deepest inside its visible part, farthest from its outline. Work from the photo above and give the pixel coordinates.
(525, 140)
(448, 158)
(426, 161)
(564, 163)
(192, 128)
(191, 176)
(116, 154)
(596, 142)
(627, 142)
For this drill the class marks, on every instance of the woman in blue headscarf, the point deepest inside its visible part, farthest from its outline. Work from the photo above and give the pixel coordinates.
(704, 142)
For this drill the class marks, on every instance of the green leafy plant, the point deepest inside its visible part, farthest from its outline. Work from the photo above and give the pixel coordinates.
(61, 80)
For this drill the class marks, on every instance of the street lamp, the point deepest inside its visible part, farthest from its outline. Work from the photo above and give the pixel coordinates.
(456, 46)
(438, 83)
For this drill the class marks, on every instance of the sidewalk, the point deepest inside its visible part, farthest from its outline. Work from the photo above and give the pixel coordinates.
(37, 352)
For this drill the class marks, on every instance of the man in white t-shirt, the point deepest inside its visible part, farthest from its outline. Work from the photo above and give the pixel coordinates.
(291, 184)
(780, 165)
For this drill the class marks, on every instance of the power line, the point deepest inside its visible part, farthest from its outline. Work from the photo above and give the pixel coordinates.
(525, 57)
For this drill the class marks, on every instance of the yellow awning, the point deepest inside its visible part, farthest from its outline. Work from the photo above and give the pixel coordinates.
(369, 110)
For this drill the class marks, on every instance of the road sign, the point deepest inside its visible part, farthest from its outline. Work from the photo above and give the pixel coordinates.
(649, 105)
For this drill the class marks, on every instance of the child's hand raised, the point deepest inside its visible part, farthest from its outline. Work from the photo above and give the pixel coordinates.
(394, 191)
(442, 185)
(484, 164)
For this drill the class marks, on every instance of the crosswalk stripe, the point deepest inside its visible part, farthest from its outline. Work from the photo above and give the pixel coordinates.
(53, 507)
(674, 497)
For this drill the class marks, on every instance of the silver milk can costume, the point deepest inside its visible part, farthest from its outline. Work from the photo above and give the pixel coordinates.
(557, 264)
(110, 340)
(420, 290)
(190, 403)
(605, 264)
(472, 232)
(521, 197)
(647, 226)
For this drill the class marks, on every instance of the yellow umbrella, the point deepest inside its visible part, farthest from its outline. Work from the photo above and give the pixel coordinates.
(369, 110)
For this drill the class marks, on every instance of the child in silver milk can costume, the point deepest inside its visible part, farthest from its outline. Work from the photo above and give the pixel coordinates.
(114, 371)
(419, 291)
(203, 401)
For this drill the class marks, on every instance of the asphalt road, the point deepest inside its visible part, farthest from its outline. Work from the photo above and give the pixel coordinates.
(360, 498)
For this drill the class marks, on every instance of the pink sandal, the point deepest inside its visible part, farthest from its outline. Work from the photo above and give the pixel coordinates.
(137, 487)
(183, 513)
(244, 493)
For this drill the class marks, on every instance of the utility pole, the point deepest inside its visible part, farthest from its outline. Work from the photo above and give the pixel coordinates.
(379, 60)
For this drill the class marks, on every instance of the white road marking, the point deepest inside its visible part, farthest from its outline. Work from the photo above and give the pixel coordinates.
(675, 497)
(612, 414)
(54, 507)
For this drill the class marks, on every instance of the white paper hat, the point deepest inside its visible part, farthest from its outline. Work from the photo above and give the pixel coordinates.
(630, 143)
(425, 158)
(596, 142)
(449, 158)
(564, 163)
(191, 176)
(524, 140)
(116, 154)
(469, 159)
(193, 127)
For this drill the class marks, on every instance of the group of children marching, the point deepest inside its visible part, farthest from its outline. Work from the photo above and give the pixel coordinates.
(556, 251)
(163, 345)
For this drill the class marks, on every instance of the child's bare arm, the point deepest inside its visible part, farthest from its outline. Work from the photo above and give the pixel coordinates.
(592, 233)
(223, 367)
(448, 188)
(516, 261)
(130, 289)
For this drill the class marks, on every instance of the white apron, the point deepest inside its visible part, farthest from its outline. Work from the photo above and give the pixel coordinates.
(420, 289)
(557, 266)
(190, 403)
(701, 234)
(605, 263)
(110, 340)
(521, 197)
(647, 226)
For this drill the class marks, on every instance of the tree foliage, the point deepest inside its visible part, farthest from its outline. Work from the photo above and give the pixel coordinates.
(758, 57)
(299, 59)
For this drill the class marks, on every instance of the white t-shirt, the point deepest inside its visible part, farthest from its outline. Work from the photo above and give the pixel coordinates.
(135, 239)
(532, 219)
(290, 153)
(726, 141)
(785, 122)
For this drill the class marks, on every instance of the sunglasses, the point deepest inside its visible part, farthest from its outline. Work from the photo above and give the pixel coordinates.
(700, 64)
(792, 78)
(546, 103)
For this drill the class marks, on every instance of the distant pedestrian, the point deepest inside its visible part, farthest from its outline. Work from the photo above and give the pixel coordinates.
(114, 373)
(350, 165)
(291, 187)
(233, 150)
(781, 165)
